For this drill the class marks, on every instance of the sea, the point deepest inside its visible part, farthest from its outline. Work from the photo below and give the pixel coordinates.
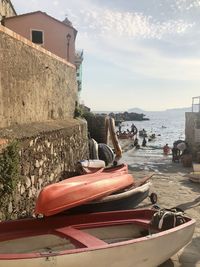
(167, 126)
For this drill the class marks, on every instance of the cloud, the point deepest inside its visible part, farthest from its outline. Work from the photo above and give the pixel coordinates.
(128, 24)
(138, 59)
(99, 20)
(186, 4)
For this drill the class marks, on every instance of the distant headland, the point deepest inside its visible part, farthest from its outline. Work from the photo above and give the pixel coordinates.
(138, 114)
(125, 116)
(170, 110)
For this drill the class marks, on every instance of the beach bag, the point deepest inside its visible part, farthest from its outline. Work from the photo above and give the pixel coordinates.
(165, 219)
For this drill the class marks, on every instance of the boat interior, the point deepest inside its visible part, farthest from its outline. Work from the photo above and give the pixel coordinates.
(70, 238)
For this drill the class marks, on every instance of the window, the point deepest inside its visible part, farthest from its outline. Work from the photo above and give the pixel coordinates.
(37, 37)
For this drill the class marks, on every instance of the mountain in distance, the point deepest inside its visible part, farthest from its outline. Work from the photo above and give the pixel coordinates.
(188, 109)
(146, 112)
(136, 110)
(172, 110)
(106, 111)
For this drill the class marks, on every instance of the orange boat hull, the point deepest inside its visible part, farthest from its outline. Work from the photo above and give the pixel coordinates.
(78, 190)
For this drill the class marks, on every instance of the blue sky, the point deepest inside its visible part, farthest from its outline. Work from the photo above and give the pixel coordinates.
(137, 53)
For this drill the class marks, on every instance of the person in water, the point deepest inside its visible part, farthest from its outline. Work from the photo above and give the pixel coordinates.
(136, 141)
(120, 128)
(166, 149)
(134, 129)
(144, 142)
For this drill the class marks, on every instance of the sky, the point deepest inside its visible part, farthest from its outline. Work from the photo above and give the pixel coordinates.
(137, 53)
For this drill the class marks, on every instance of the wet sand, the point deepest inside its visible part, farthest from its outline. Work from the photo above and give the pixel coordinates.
(173, 188)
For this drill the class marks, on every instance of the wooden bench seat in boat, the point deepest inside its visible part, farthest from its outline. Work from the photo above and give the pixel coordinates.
(93, 234)
(81, 238)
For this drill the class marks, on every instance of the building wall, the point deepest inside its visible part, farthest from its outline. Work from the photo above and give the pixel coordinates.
(6, 9)
(54, 32)
(192, 132)
(35, 85)
(48, 152)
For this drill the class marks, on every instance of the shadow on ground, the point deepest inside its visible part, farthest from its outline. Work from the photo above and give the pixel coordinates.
(190, 256)
(190, 204)
(194, 186)
(168, 263)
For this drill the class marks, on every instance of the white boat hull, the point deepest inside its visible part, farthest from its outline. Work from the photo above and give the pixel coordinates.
(149, 251)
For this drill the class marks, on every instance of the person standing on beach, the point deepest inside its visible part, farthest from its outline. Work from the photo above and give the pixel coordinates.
(175, 153)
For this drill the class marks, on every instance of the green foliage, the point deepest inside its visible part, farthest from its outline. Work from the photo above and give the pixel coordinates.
(82, 113)
(9, 168)
(88, 114)
(78, 112)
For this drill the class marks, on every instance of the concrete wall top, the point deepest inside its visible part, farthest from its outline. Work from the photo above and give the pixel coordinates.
(36, 129)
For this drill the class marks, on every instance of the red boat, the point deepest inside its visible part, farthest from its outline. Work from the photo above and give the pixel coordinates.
(78, 190)
(108, 239)
(125, 135)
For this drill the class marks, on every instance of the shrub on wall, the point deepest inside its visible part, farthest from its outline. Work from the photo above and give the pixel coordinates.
(9, 169)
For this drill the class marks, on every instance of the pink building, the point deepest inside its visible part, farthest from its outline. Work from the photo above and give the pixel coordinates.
(56, 36)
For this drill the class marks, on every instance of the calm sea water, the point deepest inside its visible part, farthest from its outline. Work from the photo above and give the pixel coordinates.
(168, 127)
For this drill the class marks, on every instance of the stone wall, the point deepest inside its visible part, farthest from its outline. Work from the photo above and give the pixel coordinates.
(48, 152)
(192, 132)
(6, 9)
(38, 92)
(35, 85)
